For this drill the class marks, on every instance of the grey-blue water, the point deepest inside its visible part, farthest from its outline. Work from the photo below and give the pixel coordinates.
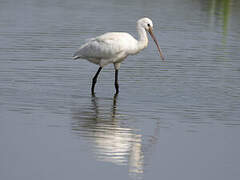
(178, 119)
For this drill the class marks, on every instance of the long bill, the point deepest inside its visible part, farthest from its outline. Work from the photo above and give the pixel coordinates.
(155, 40)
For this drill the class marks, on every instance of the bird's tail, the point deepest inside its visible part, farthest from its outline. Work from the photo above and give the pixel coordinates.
(76, 55)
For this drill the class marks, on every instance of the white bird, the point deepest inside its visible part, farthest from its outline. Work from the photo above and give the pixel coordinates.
(114, 47)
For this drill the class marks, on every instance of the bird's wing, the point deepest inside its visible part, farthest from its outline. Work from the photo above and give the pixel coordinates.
(106, 46)
(89, 39)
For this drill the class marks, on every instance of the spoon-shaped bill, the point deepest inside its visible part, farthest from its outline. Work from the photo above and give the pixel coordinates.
(155, 40)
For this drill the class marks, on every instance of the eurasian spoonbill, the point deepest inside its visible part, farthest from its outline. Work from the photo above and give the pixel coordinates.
(114, 47)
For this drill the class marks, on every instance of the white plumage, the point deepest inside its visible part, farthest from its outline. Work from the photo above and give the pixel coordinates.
(114, 47)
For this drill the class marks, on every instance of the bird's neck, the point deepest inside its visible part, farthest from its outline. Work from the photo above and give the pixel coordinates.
(142, 37)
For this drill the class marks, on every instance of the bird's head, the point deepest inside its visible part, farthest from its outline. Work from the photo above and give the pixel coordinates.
(147, 24)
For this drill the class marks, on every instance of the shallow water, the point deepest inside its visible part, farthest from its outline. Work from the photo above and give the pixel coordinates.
(177, 119)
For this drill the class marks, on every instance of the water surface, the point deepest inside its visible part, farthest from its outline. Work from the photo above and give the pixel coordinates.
(177, 119)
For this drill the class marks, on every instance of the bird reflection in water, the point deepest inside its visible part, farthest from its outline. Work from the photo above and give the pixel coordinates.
(112, 140)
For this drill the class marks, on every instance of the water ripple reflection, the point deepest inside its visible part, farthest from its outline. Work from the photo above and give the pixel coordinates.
(113, 139)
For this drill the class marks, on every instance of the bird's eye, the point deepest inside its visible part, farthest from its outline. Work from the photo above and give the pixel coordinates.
(148, 25)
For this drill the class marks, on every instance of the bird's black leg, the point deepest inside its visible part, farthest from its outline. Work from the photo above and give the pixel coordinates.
(94, 80)
(116, 81)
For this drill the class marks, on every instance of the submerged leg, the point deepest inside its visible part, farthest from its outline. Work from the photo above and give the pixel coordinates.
(94, 80)
(116, 81)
